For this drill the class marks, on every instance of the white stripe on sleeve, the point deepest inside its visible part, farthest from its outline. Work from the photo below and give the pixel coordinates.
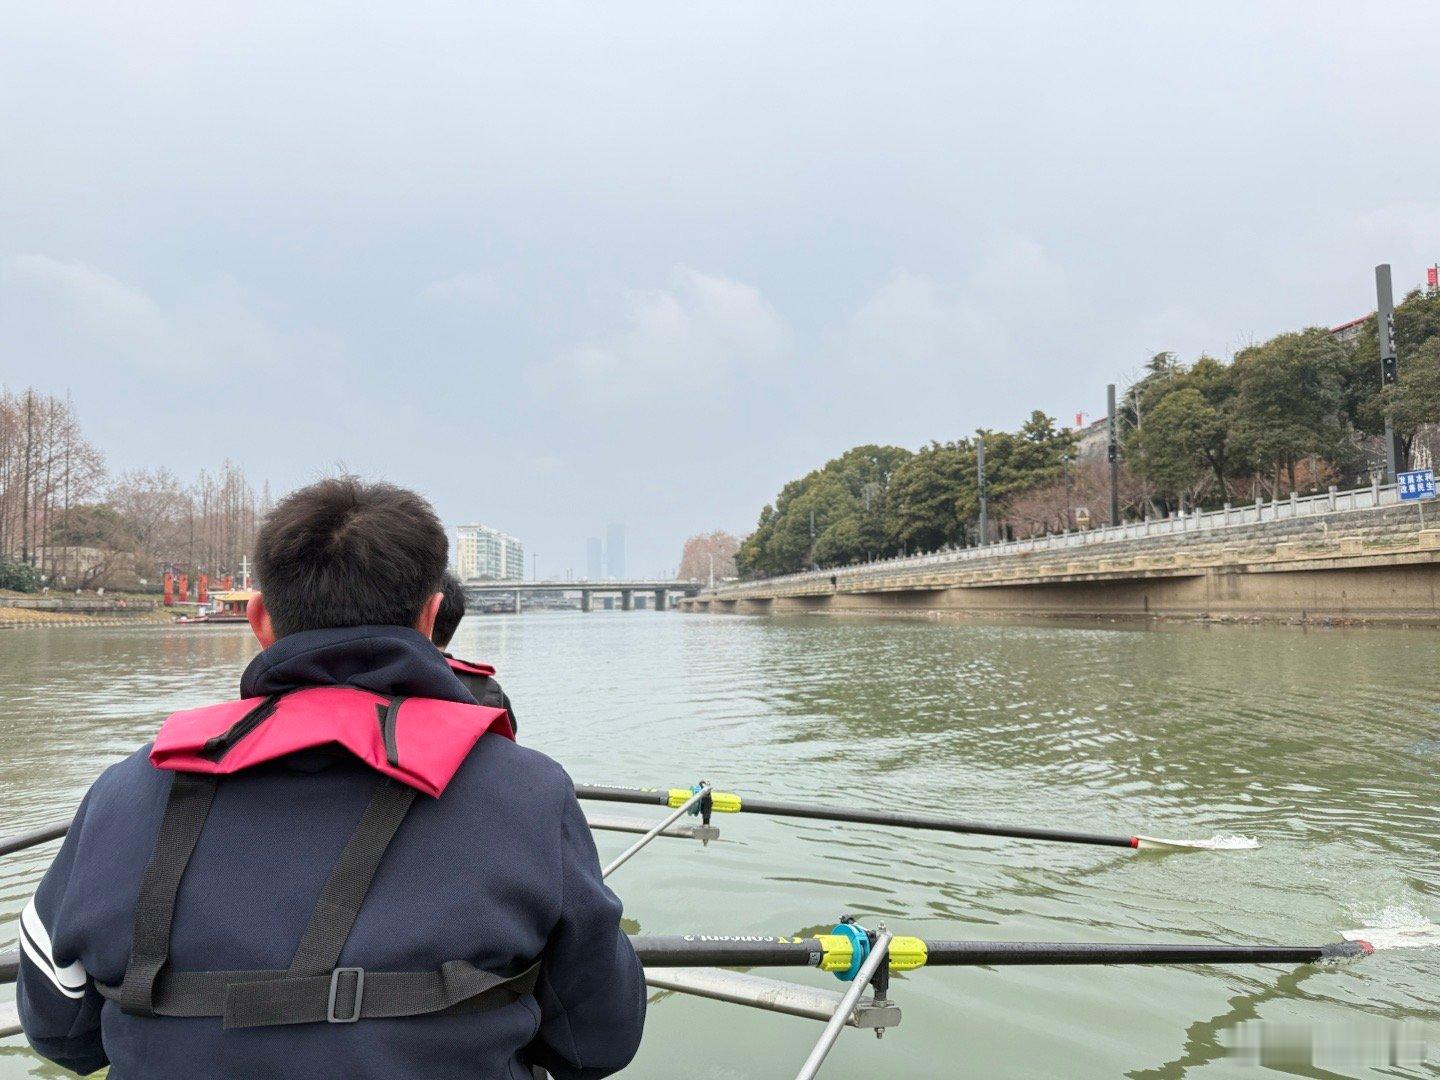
(71, 979)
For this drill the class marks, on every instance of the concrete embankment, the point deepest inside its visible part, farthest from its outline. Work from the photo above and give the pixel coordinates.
(1372, 565)
(23, 613)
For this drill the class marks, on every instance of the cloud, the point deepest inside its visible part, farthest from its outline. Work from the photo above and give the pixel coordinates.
(86, 307)
(80, 318)
(467, 289)
(1009, 310)
(698, 333)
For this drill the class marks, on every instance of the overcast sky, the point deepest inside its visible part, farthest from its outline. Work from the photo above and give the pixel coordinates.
(557, 265)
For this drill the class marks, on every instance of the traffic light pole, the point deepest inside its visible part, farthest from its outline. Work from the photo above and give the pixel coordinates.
(1389, 363)
(1113, 452)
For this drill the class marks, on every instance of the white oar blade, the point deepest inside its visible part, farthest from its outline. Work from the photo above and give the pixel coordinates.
(1422, 936)
(1215, 843)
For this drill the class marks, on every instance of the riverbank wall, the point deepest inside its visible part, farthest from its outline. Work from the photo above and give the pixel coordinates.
(25, 612)
(1371, 565)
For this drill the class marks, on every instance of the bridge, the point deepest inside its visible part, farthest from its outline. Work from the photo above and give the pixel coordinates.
(661, 589)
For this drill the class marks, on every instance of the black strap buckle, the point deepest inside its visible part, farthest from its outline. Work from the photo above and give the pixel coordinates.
(354, 1015)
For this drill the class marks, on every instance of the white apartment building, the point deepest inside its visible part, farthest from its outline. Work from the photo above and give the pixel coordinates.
(486, 554)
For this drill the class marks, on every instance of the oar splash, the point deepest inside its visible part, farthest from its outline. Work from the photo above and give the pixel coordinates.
(726, 802)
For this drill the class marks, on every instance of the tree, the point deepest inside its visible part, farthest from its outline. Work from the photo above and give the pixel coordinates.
(1289, 401)
(933, 496)
(1414, 400)
(706, 550)
(1417, 322)
(843, 502)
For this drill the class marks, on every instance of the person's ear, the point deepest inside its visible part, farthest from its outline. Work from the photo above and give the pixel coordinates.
(426, 623)
(259, 620)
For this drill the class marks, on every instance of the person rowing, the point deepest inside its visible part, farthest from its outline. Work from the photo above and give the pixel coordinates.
(350, 870)
(476, 677)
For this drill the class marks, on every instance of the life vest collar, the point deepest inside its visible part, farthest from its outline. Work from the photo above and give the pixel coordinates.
(469, 667)
(420, 742)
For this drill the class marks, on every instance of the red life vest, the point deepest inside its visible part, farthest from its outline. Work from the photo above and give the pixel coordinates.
(418, 741)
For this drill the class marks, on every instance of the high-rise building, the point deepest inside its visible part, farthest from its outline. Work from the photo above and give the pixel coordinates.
(594, 559)
(486, 554)
(615, 551)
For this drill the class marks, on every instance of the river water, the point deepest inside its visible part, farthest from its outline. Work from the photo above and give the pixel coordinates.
(1324, 745)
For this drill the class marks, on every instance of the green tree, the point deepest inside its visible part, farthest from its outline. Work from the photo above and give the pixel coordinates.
(1414, 399)
(1417, 322)
(1289, 400)
(1188, 432)
(933, 497)
(845, 500)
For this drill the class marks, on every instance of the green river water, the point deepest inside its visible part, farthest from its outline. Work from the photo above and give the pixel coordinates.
(1324, 745)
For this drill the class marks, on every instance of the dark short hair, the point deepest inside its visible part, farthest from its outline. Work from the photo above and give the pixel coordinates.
(345, 552)
(452, 610)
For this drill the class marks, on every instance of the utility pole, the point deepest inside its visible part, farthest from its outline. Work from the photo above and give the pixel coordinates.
(1389, 362)
(1113, 452)
(712, 571)
(534, 566)
(980, 487)
(813, 566)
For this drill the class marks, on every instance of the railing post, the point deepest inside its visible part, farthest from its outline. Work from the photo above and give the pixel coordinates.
(1332, 497)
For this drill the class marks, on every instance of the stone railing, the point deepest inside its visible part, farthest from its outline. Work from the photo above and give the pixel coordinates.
(1258, 513)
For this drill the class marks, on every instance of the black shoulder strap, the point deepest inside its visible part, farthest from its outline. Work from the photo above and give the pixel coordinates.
(185, 811)
(339, 904)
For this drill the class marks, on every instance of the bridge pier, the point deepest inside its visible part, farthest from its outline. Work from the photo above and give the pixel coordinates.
(627, 600)
(662, 600)
(517, 601)
(584, 599)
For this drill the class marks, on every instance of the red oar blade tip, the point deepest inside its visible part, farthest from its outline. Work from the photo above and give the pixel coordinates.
(1214, 843)
(1420, 936)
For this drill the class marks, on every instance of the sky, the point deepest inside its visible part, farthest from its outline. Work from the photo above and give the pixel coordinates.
(557, 265)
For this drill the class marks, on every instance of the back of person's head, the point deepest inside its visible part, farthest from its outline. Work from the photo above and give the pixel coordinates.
(344, 552)
(452, 610)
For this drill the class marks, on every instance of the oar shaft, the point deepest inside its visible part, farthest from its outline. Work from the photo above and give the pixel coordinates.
(997, 953)
(634, 796)
(700, 951)
(893, 818)
(905, 819)
(21, 841)
(697, 950)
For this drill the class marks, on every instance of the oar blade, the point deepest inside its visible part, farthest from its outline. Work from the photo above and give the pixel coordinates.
(1419, 936)
(1214, 843)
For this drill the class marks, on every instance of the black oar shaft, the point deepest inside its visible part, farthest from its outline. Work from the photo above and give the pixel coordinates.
(634, 796)
(997, 953)
(905, 819)
(696, 950)
(21, 841)
(645, 797)
(894, 818)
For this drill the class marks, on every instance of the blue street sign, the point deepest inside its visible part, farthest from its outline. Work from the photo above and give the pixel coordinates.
(1419, 484)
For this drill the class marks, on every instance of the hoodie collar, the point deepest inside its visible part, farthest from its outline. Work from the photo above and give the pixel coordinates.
(391, 660)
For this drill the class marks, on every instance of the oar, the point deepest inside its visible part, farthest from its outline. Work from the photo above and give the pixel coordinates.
(835, 952)
(728, 802)
(57, 829)
(20, 841)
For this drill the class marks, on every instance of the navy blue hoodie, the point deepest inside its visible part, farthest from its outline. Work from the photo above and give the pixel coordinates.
(499, 870)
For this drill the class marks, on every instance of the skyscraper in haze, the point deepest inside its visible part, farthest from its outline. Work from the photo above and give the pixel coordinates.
(615, 551)
(594, 559)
